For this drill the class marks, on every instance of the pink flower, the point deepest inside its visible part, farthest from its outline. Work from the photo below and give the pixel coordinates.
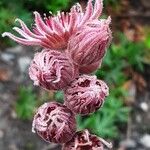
(54, 31)
(90, 68)
(54, 122)
(83, 140)
(86, 94)
(89, 44)
(52, 70)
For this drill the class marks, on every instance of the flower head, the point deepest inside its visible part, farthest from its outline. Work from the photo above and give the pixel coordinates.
(89, 44)
(90, 68)
(52, 70)
(54, 32)
(86, 94)
(83, 140)
(54, 122)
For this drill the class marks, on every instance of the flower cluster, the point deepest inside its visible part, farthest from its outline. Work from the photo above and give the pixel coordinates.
(74, 45)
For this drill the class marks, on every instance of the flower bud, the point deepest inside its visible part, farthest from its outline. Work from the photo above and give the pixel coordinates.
(86, 94)
(52, 70)
(90, 68)
(54, 31)
(89, 44)
(54, 122)
(83, 140)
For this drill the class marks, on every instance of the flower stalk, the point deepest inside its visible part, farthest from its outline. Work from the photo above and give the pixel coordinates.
(74, 45)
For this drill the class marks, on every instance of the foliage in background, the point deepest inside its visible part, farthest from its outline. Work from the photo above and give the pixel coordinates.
(111, 2)
(26, 103)
(9, 11)
(147, 41)
(146, 58)
(59, 96)
(57, 5)
(47, 5)
(113, 6)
